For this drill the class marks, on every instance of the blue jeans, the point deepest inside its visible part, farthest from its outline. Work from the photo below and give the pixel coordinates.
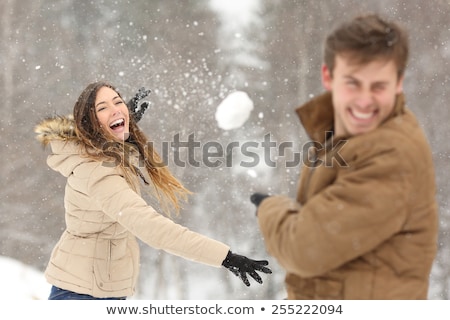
(61, 294)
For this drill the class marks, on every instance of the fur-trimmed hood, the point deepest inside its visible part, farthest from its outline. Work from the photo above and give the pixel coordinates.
(66, 151)
(60, 128)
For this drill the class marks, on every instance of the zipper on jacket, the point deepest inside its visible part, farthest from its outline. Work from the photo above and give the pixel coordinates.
(108, 259)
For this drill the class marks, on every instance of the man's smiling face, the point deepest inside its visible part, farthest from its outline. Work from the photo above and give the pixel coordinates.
(363, 95)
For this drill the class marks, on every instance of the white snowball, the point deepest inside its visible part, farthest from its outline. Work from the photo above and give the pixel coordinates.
(234, 110)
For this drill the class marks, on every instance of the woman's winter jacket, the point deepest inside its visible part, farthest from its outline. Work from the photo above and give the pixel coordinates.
(98, 253)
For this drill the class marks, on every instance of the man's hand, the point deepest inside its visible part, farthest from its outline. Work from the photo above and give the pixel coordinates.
(257, 198)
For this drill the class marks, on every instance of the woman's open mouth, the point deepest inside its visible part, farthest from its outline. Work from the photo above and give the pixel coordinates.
(117, 125)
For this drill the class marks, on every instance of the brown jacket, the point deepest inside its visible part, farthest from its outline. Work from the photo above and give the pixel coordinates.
(98, 253)
(364, 225)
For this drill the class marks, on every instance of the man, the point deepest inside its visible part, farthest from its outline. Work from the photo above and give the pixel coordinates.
(364, 224)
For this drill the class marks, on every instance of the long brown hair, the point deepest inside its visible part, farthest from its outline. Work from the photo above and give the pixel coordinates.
(100, 146)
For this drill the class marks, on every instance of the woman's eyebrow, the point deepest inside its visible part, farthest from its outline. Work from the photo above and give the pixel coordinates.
(105, 101)
(99, 103)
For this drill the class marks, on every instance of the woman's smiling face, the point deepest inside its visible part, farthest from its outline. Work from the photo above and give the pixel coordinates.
(112, 113)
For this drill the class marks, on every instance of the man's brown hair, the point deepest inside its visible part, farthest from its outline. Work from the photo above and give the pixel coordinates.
(367, 38)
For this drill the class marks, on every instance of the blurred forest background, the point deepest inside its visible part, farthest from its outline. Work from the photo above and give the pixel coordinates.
(192, 54)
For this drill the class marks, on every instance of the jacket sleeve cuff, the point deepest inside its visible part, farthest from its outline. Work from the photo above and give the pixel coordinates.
(277, 204)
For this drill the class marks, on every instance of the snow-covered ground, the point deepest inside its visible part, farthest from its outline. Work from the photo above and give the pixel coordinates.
(21, 282)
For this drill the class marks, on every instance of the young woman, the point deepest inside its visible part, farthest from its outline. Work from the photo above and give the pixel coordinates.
(106, 159)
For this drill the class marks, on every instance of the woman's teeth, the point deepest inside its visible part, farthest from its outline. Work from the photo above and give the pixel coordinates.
(117, 123)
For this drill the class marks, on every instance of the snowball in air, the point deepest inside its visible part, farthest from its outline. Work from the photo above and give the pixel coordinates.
(234, 110)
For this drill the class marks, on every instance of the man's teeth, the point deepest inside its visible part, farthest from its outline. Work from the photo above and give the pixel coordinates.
(361, 115)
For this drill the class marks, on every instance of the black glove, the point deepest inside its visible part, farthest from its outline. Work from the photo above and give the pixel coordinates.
(241, 265)
(138, 107)
(257, 198)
